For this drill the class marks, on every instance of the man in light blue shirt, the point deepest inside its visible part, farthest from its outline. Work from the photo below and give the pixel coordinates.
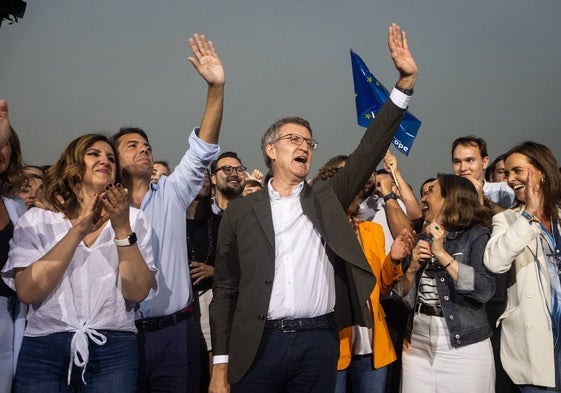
(168, 336)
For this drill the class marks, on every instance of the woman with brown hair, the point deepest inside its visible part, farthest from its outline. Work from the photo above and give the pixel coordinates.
(526, 241)
(447, 346)
(82, 271)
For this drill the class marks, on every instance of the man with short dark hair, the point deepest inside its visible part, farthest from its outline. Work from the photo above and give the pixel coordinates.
(289, 269)
(168, 337)
(469, 160)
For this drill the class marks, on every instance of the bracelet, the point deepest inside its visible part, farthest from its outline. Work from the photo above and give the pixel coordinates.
(449, 263)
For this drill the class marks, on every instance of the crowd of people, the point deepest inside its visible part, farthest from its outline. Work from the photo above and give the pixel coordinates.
(121, 274)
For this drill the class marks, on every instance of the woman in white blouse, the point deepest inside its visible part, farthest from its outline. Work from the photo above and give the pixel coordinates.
(526, 241)
(82, 270)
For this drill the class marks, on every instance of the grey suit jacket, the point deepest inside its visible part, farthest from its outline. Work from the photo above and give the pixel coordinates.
(245, 256)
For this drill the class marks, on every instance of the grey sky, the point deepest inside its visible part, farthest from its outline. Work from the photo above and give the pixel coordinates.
(486, 67)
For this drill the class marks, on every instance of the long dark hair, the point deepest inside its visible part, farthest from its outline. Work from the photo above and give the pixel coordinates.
(541, 157)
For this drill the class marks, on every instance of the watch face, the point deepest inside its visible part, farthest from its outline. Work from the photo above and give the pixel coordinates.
(132, 238)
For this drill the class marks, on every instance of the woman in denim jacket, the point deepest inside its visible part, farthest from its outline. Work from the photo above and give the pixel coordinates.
(447, 339)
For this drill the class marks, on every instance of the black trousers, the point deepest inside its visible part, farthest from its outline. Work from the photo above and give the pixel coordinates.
(293, 363)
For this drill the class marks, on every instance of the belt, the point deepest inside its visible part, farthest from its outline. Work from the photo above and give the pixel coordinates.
(289, 325)
(430, 309)
(157, 323)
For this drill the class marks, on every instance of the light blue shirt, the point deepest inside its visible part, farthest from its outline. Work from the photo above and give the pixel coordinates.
(500, 193)
(165, 205)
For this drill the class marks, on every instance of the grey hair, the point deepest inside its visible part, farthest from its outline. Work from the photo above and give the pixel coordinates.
(272, 133)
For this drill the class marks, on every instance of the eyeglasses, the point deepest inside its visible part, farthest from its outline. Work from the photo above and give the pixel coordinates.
(228, 169)
(298, 140)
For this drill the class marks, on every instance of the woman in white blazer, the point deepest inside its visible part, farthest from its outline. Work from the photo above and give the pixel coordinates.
(526, 240)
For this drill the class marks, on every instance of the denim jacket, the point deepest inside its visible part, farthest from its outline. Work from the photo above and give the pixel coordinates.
(462, 302)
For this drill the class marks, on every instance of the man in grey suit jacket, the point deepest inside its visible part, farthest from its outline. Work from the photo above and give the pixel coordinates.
(289, 269)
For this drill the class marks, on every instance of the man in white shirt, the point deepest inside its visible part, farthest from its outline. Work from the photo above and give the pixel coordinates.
(289, 268)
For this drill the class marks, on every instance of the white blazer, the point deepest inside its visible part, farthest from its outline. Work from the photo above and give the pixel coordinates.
(527, 335)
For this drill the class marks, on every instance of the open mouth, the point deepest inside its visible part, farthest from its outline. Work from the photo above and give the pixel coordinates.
(518, 187)
(301, 159)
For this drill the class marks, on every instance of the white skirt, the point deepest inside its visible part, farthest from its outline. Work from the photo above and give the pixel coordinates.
(430, 364)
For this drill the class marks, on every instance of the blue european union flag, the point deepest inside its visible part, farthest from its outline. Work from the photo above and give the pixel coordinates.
(370, 96)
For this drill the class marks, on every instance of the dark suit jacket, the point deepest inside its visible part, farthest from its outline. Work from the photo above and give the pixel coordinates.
(245, 259)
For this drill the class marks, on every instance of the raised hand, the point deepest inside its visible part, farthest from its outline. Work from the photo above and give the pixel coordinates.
(205, 60)
(533, 193)
(401, 56)
(390, 161)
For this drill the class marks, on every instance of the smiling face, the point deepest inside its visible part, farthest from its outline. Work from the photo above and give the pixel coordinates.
(232, 184)
(291, 162)
(517, 167)
(99, 166)
(135, 156)
(467, 162)
(432, 201)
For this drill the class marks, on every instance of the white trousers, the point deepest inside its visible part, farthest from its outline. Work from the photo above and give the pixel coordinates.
(431, 365)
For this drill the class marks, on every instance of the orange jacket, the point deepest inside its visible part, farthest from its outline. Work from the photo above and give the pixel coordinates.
(371, 236)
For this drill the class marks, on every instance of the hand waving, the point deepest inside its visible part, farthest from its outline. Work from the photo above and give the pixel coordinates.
(205, 60)
(401, 56)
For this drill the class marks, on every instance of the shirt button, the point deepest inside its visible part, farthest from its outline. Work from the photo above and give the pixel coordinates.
(441, 279)
(446, 298)
(530, 327)
(451, 317)
(529, 294)
(262, 317)
(457, 336)
(268, 282)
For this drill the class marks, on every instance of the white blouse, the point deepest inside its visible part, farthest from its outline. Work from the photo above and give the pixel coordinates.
(89, 296)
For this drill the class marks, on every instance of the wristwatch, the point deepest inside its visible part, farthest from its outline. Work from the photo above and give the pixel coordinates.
(129, 241)
(408, 92)
(389, 196)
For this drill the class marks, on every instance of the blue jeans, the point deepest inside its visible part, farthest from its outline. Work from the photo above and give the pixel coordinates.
(364, 378)
(43, 365)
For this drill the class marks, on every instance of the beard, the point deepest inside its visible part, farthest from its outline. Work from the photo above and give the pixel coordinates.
(232, 191)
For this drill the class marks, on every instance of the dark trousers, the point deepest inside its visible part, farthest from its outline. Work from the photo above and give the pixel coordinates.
(293, 363)
(503, 383)
(169, 358)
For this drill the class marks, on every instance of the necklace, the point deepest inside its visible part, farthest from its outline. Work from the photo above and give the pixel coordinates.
(192, 238)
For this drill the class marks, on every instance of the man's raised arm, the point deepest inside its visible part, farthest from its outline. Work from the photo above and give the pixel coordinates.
(208, 65)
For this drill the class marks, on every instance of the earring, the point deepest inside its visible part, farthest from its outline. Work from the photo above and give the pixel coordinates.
(542, 180)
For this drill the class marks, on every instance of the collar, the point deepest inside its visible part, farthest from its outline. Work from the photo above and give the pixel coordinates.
(275, 196)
